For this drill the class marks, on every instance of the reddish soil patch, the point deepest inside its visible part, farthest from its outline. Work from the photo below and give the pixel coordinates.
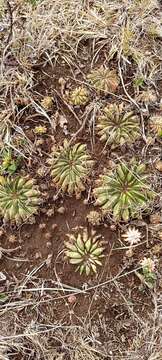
(39, 245)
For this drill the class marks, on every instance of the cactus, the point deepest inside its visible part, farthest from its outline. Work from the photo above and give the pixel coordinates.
(156, 124)
(84, 250)
(94, 218)
(40, 130)
(47, 102)
(124, 192)
(79, 96)
(104, 80)
(70, 167)
(147, 97)
(19, 199)
(117, 127)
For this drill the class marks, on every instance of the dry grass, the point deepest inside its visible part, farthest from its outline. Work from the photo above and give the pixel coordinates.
(34, 340)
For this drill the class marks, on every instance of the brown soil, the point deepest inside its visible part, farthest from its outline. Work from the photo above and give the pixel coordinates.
(108, 306)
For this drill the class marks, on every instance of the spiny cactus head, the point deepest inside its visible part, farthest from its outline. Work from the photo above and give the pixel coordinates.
(19, 199)
(79, 96)
(84, 250)
(71, 165)
(40, 130)
(94, 217)
(156, 124)
(47, 102)
(125, 192)
(117, 126)
(104, 80)
(148, 97)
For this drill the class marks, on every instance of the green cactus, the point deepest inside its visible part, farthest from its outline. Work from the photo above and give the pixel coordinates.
(84, 250)
(70, 167)
(19, 199)
(124, 192)
(79, 96)
(117, 127)
(104, 79)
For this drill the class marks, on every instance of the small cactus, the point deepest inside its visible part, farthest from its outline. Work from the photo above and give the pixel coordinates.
(40, 130)
(147, 97)
(117, 127)
(84, 250)
(19, 199)
(124, 192)
(156, 124)
(94, 218)
(47, 102)
(70, 167)
(104, 80)
(79, 96)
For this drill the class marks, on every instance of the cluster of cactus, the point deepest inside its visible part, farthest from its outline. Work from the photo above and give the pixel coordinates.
(116, 126)
(84, 250)
(104, 80)
(124, 192)
(70, 167)
(19, 199)
(79, 96)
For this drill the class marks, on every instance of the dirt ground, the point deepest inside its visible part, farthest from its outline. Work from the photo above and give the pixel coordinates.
(48, 311)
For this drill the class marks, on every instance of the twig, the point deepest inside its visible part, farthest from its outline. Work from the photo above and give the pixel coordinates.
(68, 106)
(85, 116)
(129, 307)
(11, 21)
(28, 277)
(8, 251)
(27, 334)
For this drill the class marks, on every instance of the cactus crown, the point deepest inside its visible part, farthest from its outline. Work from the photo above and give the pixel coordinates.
(117, 127)
(156, 124)
(70, 167)
(104, 79)
(79, 96)
(19, 199)
(124, 193)
(84, 250)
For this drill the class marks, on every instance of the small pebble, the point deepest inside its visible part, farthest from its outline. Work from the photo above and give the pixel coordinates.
(38, 255)
(72, 299)
(113, 227)
(85, 201)
(47, 236)
(50, 212)
(49, 244)
(61, 210)
(54, 226)
(42, 226)
(129, 253)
